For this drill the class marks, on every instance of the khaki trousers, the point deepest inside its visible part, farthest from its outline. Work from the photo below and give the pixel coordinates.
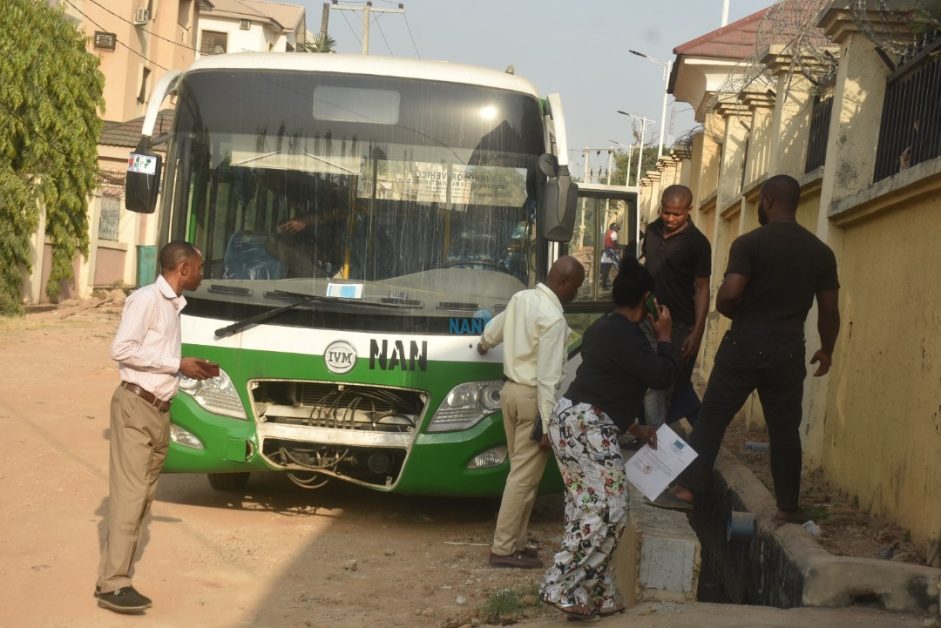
(139, 439)
(527, 463)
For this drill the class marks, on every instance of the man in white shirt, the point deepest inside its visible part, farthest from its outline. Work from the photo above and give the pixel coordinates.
(147, 349)
(534, 334)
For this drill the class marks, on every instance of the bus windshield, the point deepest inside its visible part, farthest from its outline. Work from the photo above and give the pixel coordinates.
(373, 188)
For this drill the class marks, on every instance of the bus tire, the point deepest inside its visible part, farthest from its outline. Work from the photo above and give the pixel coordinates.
(228, 481)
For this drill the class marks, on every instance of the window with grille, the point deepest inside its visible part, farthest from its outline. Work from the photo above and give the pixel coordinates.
(109, 219)
(213, 43)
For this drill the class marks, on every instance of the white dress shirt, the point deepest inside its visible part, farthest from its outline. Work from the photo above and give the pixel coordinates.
(535, 336)
(147, 344)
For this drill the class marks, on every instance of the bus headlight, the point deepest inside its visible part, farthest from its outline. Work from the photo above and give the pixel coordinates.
(466, 405)
(216, 394)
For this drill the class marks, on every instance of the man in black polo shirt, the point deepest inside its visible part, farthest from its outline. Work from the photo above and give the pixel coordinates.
(775, 272)
(679, 257)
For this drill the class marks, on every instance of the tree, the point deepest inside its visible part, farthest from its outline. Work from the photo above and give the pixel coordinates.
(320, 43)
(619, 173)
(49, 128)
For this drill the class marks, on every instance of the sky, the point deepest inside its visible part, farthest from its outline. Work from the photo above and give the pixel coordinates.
(578, 48)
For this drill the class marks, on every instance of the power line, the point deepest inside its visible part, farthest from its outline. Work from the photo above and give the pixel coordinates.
(116, 39)
(405, 17)
(345, 19)
(381, 32)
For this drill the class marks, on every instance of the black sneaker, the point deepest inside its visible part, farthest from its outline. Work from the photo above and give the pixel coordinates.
(123, 600)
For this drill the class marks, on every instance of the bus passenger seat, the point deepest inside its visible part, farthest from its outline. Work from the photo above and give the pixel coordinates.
(246, 257)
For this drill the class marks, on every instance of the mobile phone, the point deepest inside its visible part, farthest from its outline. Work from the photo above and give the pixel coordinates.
(212, 368)
(651, 306)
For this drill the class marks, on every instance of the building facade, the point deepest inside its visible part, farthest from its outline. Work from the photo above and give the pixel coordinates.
(857, 121)
(136, 42)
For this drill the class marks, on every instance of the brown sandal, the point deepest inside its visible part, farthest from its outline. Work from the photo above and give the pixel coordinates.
(612, 611)
(575, 612)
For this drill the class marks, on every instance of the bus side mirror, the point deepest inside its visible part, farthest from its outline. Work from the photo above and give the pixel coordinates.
(555, 217)
(142, 181)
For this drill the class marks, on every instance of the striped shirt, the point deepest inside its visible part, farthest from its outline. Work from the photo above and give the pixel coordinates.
(147, 344)
(534, 334)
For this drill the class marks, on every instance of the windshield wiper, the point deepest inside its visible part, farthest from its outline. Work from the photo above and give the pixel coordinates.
(237, 326)
(394, 304)
(303, 299)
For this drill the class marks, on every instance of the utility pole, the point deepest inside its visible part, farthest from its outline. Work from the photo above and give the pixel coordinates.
(725, 12)
(640, 156)
(324, 21)
(610, 163)
(367, 9)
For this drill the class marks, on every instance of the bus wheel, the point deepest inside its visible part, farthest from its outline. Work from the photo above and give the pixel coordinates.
(228, 481)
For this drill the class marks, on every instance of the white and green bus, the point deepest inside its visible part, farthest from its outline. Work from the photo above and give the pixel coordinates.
(361, 219)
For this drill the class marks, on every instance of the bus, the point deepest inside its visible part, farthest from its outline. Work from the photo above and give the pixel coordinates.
(361, 219)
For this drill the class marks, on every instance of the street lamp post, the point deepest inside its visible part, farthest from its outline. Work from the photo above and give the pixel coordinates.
(667, 66)
(640, 152)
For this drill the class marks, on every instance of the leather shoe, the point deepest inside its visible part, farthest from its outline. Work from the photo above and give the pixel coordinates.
(518, 560)
(531, 551)
(124, 600)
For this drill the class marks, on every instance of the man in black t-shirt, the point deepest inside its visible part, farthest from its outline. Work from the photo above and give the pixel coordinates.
(679, 257)
(773, 276)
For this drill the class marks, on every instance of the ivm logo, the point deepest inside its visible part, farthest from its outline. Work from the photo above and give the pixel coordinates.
(340, 357)
(390, 355)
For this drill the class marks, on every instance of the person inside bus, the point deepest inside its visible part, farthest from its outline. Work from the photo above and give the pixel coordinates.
(311, 242)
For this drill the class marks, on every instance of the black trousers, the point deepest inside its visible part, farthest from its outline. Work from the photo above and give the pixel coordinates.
(772, 364)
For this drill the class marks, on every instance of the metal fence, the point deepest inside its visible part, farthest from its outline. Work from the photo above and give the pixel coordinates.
(911, 116)
(819, 132)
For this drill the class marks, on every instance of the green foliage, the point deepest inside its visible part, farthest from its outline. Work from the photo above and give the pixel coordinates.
(507, 606)
(49, 128)
(320, 43)
(620, 164)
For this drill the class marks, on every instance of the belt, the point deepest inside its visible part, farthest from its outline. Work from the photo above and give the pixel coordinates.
(149, 397)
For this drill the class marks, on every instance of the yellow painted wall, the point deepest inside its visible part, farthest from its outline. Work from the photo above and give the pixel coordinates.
(883, 422)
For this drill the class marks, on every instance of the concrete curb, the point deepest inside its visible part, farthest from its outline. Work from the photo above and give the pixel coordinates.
(658, 558)
(784, 566)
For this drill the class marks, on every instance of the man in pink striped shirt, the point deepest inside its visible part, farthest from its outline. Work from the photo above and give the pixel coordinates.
(147, 349)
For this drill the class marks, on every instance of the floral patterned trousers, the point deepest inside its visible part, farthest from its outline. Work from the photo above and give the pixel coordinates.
(585, 442)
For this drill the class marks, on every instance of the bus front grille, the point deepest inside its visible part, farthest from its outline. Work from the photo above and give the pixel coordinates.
(338, 406)
(354, 432)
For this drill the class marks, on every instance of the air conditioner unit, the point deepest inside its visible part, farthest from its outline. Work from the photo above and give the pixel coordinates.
(105, 41)
(141, 16)
(245, 24)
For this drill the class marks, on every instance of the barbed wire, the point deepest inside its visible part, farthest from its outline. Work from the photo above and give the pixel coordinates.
(899, 29)
(788, 30)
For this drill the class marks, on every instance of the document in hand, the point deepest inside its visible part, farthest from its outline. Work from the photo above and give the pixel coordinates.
(652, 470)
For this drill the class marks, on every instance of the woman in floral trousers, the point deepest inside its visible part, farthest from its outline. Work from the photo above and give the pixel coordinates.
(618, 365)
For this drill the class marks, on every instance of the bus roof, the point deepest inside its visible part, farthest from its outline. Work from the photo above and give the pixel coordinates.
(361, 64)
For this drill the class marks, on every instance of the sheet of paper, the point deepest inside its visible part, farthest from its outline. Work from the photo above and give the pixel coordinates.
(652, 470)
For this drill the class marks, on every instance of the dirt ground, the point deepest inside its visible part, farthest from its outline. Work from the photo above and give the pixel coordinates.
(273, 555)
